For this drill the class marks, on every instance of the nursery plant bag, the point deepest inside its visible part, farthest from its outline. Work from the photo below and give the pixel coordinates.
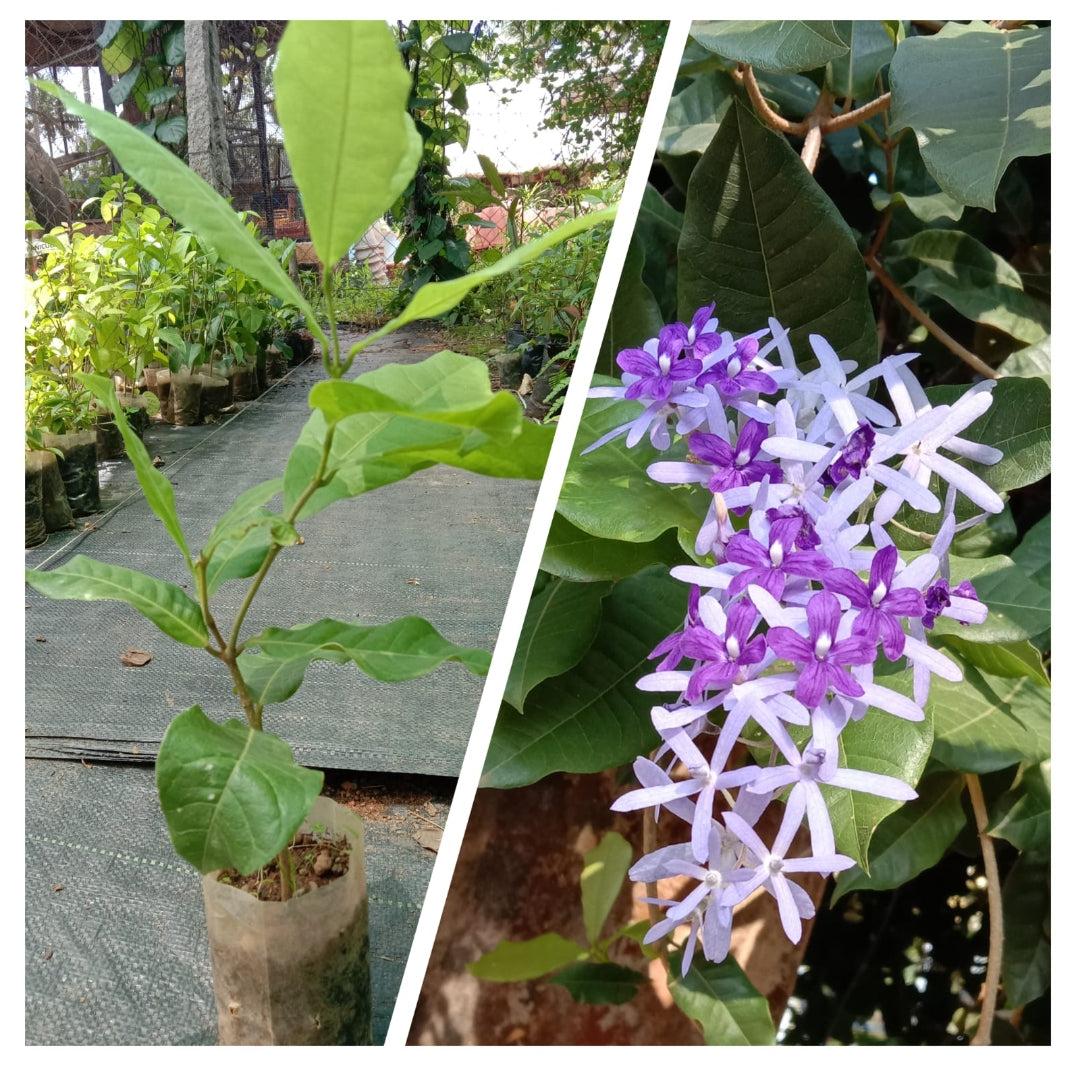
(78, 469)
(185, 396)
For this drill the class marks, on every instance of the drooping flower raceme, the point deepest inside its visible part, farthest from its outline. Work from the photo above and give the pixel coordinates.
(798, 591)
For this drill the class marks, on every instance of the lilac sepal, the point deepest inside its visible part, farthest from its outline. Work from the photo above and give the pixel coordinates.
(923, 654)
(894, 702)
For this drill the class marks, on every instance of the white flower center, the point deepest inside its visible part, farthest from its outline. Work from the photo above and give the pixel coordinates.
(733, 648)
(734, 367)
(742, 458)
(878, 593)
(664, 364)
(713, 880)
(776, 552)
(703, 774)
(774, 864)
(823, 646)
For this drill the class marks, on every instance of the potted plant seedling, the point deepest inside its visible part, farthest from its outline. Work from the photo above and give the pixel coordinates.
(232, 795)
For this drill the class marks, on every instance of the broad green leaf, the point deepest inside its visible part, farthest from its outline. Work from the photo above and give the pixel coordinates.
(341, 97)
(773, 45)
(961, 258)
(854, 75)
(1027, 943)
(1018, 659)
(578, 556)
(395, 651)
(433, 299)
(175, 47)
(248, 504)
(1023, 815)
(232, 796)
(240, 552)
(658, 230)
(172, 130)
(1018, 607)
(560, 624)
(188, 198)
(761, 238)
(608, 492)
(1033, 556)
(987, 723)
(996, 106)
(912, 839)
(882, 744)
(166, 605)
(600, 984)
(1034, 360)
(927, 207)
(491, 174)
(720, 998)
(693, 115)
(513, 962)
(592, 717)
(635, 315)
(155, 485)
(602, 879)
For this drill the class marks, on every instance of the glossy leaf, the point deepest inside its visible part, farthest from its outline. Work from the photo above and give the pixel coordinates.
(1034, 360)
(513, 962)
(578, 556)
(1018, 659)
(788, 45)
(855, 74)
(1023, 815)
(241, 551)
(1027, 944)
(603, 877)
(608, 493)
(996, 106)
(155, 485)
(166, 605)
(720, 998)
(232, 796)
(925, 207)
(352, 146)
(693, 115)
(592, 717)
(761, 238)
(635, 315)
(600, 984)
(187, 197)
(988, 723)
(395, 651)
(912, 839)
(559, 626)
(1033, 556)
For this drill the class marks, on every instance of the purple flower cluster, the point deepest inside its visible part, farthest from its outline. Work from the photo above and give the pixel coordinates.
(805, 592)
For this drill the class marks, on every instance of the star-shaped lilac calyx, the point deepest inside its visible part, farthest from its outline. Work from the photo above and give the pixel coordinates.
(734, 375)
(880, 605)
(825, 658)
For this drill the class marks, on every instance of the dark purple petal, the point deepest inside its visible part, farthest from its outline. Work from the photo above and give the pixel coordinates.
(789, 644)
(753, 652)
(806, 538)
(812, 564)
(894, 640)
(752, 435)
(937, 599)
(749, 380)
(712, 449)
(883, 568)
(740, 619)
(904, 603)
(854, 650)
(965, 589)
(638, 362)
(812, 684)
(842, 681)
(846, 583)
(746, 551)
(823, 616)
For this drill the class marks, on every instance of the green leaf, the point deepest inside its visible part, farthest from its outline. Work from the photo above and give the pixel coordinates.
(926, 207)
(773, 45)
(433, 299)
(427, 250)
(635, 315)
(559, 626)
(513, 962)
(854, 75)
(996, 106)
(1018, 607)
(1027, 944)
(155, 485)
(120, 90)
(1023, 815)
(352, 146)
(882, 744)
(186, 197)
(602, 879)
(166, 605)
(172, 130)
(912, 839)
(693, 115)
(1033, 556)
(987, 723)
(458, 42)
(112, 28)
(761, 238)
(175, 46)
(241, 551)
(1034, 360)
(162, 94)
(247, 505)
(720, 998)
(600, 984)
(1018, 659)
(491, 173)
(395, 651)
(608, 492)
(592, 717)
(232, 796)
(578, 556)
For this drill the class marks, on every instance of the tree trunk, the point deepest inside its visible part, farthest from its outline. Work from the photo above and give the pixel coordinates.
(207, 142)
(44, 186)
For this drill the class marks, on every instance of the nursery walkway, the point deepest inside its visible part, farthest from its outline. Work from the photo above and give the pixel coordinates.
(116, 948)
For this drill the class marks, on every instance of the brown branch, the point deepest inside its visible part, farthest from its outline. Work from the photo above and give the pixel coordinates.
(927, 322)
(764, 110)
(858, 116)
(983, 1037)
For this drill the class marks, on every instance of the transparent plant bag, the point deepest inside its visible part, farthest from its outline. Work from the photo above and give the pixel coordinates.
(294, 973)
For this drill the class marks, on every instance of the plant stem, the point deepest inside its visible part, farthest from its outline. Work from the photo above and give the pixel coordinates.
(288, 876)
(924, 319)
(983, 1037)
(763, 109)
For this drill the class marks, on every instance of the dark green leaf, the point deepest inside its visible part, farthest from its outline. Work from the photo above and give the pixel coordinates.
(560, 624)
(1023, 815)
(120, 90)
(578, 556)
(600, 984)
(926, 207)
(172, 130)
(787, 45)
(352, 146)
(854, 75)
(762, 239)
(175, 46)
(112, 28)
(635, 316)
(1033, 556)
(602, 879)
(166, 605)
(592, 717)
(724, 1003)
(996, 105)
(232, 796)
(458, 42)
(693, 115)
(513, 962)
(162, 94)
(1027, 945)
(491, 173)
(911, 840)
